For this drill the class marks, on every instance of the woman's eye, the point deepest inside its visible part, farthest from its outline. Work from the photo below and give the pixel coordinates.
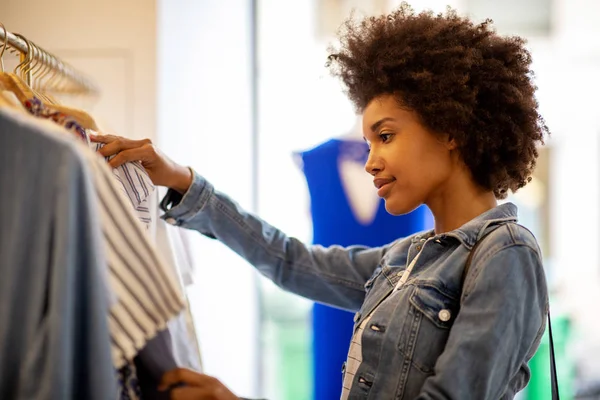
(385, 137)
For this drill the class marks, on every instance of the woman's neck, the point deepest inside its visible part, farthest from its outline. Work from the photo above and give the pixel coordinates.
(458, 202)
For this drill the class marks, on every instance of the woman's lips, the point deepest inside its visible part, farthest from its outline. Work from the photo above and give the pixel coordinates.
(383, 185)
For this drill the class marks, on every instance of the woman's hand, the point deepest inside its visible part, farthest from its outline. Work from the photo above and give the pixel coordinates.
(162, 170)
(198, 386)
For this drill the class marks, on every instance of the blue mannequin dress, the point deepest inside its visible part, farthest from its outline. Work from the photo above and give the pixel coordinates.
(334, 222)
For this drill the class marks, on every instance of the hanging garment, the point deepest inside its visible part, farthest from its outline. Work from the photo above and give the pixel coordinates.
(173, 244)
(147, 292)
(176, 346)
(147, 295)
(128, 386)
(54, 337)
(148, 351)
(136, 186)
(38, 109)
(128, 383)
(133, 179)
(344, 214)
(139, 376)
(135, 183)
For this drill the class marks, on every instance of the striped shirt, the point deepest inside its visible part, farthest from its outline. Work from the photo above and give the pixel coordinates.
(137, 187)
(148, 295)
(134, 182)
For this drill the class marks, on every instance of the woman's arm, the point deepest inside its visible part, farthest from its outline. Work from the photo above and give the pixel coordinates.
(498, 328)
(332, 275)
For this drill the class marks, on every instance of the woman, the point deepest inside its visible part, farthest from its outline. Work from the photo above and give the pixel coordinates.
(451, 121)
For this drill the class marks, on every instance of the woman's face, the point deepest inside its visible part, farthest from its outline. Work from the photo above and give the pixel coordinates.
(410, 165)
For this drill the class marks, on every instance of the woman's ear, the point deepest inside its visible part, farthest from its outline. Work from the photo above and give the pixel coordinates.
(448, 142)
(451, 144)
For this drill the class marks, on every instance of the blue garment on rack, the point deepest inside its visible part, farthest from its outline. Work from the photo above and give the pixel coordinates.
(334, 222)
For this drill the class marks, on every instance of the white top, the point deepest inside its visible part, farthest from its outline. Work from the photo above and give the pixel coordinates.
(355, 352)
(172, 243)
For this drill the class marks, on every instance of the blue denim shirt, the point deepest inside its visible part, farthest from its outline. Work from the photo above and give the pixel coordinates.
(477, 348)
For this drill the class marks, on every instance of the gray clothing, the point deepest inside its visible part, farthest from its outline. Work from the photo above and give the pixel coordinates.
(54, 338)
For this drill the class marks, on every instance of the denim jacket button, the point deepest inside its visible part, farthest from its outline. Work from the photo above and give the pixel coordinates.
(356, 316)
(444, 315)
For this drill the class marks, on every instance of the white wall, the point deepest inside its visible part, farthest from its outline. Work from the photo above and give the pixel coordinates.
(204, 119)
(100, 38)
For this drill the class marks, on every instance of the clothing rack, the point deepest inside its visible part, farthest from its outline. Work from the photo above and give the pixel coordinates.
(71, 80)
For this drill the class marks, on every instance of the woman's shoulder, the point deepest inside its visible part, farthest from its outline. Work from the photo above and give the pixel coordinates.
(508, 235)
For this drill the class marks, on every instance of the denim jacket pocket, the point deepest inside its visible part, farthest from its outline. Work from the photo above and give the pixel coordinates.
(431, 315)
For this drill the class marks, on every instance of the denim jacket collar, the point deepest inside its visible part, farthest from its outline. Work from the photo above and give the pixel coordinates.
(469, 233)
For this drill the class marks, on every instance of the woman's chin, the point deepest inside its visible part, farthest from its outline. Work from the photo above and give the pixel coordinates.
(395, 206)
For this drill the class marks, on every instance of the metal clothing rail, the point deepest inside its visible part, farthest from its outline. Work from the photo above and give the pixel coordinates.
(29, 51)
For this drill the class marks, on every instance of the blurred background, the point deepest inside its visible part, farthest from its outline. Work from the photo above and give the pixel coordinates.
(238, 89)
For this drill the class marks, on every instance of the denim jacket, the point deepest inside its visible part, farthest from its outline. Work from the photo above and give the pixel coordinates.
(436, 338)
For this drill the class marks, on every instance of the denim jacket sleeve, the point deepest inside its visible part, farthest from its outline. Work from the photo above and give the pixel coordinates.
(500, 323)
(333, 275)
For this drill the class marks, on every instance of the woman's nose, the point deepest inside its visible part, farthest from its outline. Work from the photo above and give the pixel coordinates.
(373, 164)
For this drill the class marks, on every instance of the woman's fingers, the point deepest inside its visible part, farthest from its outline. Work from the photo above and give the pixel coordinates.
(117, 145)
(102, 138)
(160, 168)
(182, 375)
(122, 157)
(199, 386)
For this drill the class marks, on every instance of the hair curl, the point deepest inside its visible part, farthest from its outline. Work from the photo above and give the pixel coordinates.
(461, 78)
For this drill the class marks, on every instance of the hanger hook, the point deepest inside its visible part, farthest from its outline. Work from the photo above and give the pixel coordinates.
(3, 46)
(51, 81)
(38, 67)
(46, 69)
(27, 59)
(34, 62)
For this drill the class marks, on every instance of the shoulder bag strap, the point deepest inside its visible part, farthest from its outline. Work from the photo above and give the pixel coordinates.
(553, 375)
